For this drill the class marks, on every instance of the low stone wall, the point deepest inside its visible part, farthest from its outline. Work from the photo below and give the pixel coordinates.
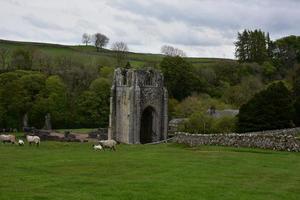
(281, 140)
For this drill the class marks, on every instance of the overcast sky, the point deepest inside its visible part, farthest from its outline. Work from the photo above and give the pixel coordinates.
(199, 27)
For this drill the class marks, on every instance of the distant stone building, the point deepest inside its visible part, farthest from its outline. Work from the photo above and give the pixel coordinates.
(138, 107)
(222, 113)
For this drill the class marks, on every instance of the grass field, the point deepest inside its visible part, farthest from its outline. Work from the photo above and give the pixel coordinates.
(89, 53)
(168, 171)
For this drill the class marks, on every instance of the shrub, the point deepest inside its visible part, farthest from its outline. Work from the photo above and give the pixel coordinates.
(200, 123)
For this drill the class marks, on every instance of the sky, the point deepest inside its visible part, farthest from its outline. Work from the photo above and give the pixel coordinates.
(202, 28)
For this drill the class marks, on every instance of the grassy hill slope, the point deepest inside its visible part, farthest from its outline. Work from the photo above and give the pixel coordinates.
(90, 53)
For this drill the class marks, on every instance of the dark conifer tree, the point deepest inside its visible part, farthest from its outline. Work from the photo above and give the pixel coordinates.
(251, 46)
(270, 109)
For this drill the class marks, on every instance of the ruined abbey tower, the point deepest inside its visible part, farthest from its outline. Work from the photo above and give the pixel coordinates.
(138, 107)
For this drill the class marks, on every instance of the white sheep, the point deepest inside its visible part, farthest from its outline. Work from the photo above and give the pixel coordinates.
(21, 143)
(33, 139)
(110, 144)
(8, 138)
(97, 147)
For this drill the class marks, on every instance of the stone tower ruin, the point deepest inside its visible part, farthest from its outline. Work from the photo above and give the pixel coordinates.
(138, 107)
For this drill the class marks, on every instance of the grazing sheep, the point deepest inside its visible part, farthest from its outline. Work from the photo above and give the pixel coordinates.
(97, 147)
(21, 143)
(8, 138)
(110, 144)
(33, 139)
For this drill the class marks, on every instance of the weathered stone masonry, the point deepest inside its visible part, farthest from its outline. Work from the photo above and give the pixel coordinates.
(282, 140)
(138, 107)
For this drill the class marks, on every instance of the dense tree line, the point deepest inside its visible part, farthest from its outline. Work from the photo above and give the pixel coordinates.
(33, 95)
(276, 57)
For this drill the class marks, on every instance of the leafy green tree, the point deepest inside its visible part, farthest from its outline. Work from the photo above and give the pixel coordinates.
(287, 51)
(52, 100)
(11, 100)
(179, 76)
(269, 70)
(239, 94)
(93, 105)
(18, 93)
(269, 109)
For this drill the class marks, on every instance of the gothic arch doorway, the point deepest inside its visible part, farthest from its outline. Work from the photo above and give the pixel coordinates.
(148, 125)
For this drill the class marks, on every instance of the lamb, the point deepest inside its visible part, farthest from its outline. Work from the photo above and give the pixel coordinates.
(110, 144)
(33, 139)
(8, 138)
(21, 143)
(97, 147)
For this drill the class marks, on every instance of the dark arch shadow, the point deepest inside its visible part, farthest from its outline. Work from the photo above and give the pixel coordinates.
(148, 125)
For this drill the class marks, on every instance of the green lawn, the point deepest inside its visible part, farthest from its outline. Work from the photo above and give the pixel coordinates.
(168, 171)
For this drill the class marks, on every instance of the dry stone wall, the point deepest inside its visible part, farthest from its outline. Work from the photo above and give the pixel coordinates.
(281, 140)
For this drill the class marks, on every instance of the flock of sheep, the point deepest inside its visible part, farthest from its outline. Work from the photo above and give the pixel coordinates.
(103, 144)
(12, 139)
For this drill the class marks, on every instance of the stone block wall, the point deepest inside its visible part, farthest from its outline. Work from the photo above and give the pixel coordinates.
(281, 140)
(138, 106)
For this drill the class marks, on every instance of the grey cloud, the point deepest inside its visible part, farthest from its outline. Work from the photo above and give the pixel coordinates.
(200, 27)
(35, 21)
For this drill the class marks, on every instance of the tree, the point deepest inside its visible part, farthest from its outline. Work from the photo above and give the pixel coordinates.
(243, 92)
(23, 58)
(172, 51)
(287, 51)
(86, 39)
(52, 100)
(4, 53)
(121, 52)
(269, 109)
(179, 76)
(19, 91)
(93, 105)
(11, 100)
(100, 40)
(252, 46)
(242, 47)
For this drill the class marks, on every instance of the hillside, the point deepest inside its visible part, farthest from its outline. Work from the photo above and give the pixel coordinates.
(90, 53)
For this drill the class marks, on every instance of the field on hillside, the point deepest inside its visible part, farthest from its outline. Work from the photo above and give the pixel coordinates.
(167, 171)
(89, 53)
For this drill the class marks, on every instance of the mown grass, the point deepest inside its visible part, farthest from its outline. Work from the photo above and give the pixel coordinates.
(167, 171)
